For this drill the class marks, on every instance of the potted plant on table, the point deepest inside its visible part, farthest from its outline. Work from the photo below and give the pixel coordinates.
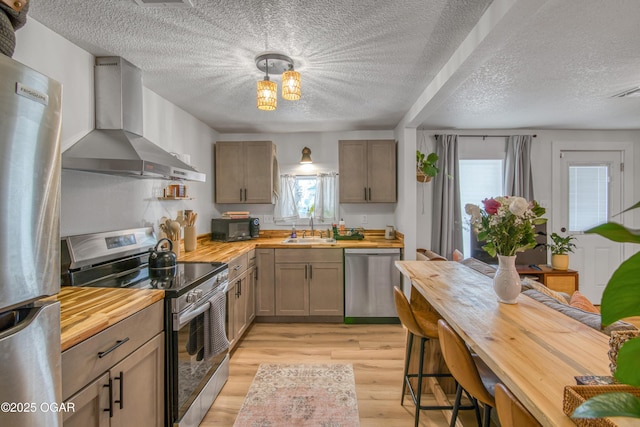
(560, 249)
(426, 166)
(621, 299)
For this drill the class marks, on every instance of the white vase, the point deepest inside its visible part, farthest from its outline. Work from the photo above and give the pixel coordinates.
(506, 282)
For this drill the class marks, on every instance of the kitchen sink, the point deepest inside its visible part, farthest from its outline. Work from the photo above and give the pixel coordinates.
(309, 241)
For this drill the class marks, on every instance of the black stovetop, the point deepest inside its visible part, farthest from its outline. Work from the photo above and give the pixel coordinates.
(186, 276)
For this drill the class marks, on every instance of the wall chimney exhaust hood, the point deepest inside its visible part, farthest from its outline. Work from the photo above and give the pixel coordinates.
(116, 146)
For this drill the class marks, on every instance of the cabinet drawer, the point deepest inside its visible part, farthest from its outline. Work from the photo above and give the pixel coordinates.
(251, 258)
(308, 255)
(567, 284)
(82, 363)
(237, 266)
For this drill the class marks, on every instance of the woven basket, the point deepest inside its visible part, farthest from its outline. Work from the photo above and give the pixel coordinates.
(576, 395)
(421, 177)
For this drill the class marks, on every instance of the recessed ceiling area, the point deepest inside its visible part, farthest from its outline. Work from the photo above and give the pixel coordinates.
(443, 64)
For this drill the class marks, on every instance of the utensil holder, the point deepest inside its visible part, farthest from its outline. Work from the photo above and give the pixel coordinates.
(190, 238)
(176, 246)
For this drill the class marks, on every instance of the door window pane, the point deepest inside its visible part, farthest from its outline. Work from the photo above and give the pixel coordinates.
(588, 196)
(479, 180)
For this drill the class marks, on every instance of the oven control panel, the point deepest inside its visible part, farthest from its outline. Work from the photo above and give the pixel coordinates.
(197, 294)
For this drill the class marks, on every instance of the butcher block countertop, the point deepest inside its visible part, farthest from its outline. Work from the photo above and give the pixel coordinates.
(209, 251)
(87, 311)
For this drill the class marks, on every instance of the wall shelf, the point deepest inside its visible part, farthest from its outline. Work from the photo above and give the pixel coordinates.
(176, 198)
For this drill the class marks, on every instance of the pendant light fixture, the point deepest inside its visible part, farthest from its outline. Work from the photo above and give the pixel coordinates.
(276, 63)
(267, 93)
(306, 156)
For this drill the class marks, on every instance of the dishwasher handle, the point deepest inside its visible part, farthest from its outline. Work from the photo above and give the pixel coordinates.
(372, 251)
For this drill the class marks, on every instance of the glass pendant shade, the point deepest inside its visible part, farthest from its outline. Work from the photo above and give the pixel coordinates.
(291, 85)
(267, 95)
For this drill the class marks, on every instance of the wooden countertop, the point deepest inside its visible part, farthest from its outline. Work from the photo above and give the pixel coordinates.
(87, 311)
(534, 350)
(209, 251)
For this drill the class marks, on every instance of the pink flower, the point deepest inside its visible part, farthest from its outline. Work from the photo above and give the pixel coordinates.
(491, 206)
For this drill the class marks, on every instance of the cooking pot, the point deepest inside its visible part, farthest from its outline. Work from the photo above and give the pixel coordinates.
(162, 262)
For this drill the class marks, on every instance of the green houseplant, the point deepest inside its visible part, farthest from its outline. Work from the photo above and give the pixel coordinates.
(560, 249)
(426, 166)
(621, 299)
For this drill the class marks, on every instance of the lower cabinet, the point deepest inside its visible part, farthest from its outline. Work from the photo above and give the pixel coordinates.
(241, 299)
(309, 282)
(129, 387)
(265, 282)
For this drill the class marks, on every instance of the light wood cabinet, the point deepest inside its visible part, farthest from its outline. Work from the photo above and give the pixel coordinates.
(265, 282)
(367, 171)
(244, 171)
(240, 297)
(558, 280)
(116, 377)
(309, 282)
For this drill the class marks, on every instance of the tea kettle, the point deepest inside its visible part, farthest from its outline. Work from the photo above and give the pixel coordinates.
(162, 262)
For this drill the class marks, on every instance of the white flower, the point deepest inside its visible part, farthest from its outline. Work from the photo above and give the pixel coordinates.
(518, 206)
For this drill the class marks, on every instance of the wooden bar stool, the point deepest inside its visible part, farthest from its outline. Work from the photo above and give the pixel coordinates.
(422, 324)
(469, 370)
(511, 413)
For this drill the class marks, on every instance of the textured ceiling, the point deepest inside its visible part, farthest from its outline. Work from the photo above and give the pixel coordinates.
(365, 63)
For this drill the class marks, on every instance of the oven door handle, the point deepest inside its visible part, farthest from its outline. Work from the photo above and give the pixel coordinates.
(181, 320)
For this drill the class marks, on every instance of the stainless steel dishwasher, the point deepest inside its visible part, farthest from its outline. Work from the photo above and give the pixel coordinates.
(370, 275)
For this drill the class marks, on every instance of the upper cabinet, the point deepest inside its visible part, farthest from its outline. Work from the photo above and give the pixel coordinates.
(244, 171)
(367, 171)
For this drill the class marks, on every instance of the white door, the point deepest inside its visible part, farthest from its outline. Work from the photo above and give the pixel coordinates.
(590, 194)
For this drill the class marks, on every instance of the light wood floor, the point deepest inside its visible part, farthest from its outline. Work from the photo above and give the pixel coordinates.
(376, 352)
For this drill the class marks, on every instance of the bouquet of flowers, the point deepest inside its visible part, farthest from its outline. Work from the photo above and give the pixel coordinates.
(506, 224)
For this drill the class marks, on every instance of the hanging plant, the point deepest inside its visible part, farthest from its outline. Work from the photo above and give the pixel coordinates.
(426, 166)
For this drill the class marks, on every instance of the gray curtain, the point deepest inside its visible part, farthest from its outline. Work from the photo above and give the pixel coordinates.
(518, 178)
(446, 234)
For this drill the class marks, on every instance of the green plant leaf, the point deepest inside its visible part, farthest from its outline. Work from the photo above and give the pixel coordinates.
(636, 206)
(621, 297)
(609, 405)
(627, 371)
(616, 232)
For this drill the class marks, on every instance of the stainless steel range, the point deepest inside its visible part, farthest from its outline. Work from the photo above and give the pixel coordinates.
(197, 361)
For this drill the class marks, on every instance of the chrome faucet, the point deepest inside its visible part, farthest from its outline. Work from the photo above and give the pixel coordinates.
(311, 223)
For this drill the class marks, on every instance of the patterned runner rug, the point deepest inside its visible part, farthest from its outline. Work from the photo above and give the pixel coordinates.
(301, 395)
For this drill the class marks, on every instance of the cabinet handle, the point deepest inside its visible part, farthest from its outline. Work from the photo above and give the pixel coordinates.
(365, 193)
(245, 194)
(118, 343)
(310, 272)
(369, 193)
(241, 194)
(237, 267)
(239, 287)
(121, 400)
(110, 408)
(255, 273)
(305, 271)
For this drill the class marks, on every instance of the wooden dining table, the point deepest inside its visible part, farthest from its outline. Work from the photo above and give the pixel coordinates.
(534, 350)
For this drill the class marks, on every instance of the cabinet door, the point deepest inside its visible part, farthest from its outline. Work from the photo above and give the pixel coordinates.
(326, 289)
(265, 283)
(90, 405)
(231, 314)
(352, 158)
(381, 172)
(292, 290)
(240, 315)
(138, 386)
(250, 298)
(229, 171)
(258, 172)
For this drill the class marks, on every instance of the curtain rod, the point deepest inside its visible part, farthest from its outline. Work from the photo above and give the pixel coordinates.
(484, 136)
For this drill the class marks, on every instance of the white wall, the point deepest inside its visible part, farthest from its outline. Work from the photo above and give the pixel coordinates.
(95, 202)
(324, 152)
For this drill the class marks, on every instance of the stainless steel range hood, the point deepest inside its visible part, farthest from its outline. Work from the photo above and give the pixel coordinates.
(116, 146)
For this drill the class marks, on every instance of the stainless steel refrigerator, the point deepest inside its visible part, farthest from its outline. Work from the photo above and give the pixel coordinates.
(30, 121)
